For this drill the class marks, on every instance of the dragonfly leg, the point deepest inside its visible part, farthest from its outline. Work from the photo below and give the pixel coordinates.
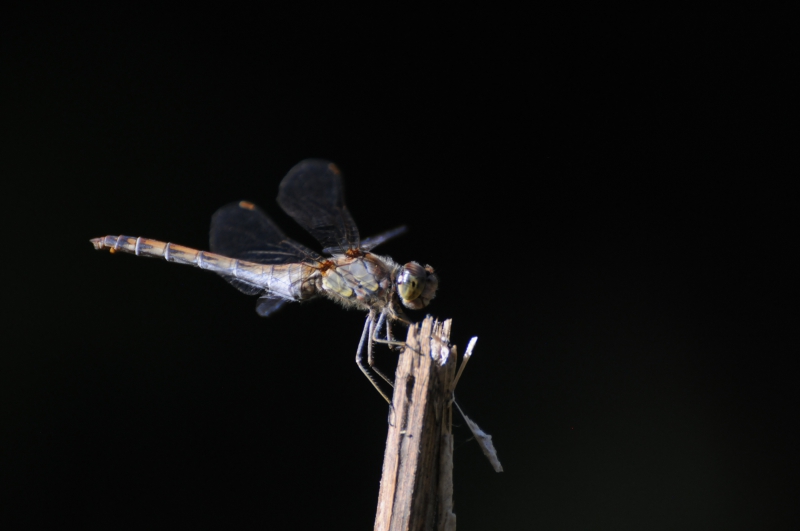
(374, 330)
(389, 339)
(367, 336)
(398, 345)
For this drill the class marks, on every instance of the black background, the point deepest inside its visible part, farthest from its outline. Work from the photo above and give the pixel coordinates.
(602, 194)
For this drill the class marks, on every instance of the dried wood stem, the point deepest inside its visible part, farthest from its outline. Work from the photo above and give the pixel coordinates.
(417, 483)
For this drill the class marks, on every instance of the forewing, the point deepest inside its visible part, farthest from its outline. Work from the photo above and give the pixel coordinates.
(370, 243)
(313, 194)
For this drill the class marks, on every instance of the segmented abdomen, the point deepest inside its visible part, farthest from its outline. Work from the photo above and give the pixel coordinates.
(290, 281)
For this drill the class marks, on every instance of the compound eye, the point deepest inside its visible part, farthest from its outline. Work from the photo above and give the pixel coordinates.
(411, 281)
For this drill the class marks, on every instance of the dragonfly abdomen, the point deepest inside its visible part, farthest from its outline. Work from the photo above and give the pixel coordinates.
(169, 251)
(289, 281)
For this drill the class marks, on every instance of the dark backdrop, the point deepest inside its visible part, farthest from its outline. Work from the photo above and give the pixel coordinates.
(599, 193)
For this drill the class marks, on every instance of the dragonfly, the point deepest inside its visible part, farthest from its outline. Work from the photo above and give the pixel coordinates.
(249, 251)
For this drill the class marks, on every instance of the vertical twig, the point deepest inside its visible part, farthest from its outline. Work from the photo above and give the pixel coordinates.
(417, 482)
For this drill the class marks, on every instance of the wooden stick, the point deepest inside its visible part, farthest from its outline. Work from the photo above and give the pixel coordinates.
(417, 483)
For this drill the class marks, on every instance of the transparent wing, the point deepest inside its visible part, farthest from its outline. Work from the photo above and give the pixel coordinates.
(242, 230)
(313, 194)
(268, 305)
(370, 243)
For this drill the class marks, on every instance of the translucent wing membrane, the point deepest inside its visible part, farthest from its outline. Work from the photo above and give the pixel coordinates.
(267, 305)
(367, 244)
(242, 230)
(373, 241)
(313, 194)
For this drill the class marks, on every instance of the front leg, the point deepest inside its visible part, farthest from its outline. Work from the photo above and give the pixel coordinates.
(389, 339)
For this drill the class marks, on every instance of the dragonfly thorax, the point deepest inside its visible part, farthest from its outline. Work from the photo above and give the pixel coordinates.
(374, 282)
(364, 281)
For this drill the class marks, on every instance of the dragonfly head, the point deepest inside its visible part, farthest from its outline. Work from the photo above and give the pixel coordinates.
(416, 285)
